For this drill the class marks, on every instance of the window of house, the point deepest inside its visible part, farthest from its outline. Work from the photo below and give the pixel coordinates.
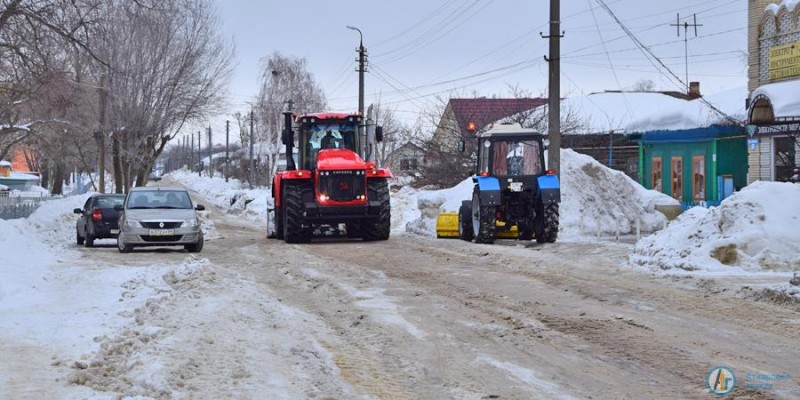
(656, 174)
(677, 178)
(698, 178)
(784, 158)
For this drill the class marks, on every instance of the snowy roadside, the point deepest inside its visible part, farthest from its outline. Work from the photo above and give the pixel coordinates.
(54, 304)
(751, 235)
(595, 199)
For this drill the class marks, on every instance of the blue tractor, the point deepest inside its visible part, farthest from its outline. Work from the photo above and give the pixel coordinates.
(514, 194)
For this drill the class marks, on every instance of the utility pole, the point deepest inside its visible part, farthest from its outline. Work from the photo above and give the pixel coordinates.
(210, 150)
(199, 156)
(227, 136)
(554, 95)
(362, 67)
(101, 138)
(686, 26)
(251, 172)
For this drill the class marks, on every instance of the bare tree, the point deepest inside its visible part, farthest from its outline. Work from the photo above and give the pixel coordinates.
(283, 79)
(395, 134)
(168, 65)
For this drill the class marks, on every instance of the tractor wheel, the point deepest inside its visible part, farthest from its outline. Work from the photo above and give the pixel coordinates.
(465, 231)
(295, 230)
(277, 224)
(379, 228)
(547, 223)
(484, 220)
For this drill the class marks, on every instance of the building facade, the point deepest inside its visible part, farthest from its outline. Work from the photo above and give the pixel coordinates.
(774, 86)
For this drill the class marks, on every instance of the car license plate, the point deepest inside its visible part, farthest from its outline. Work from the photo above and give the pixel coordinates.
(162, 232)
(115, 231)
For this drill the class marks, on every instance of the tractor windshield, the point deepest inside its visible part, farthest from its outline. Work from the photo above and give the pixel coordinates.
(327, 136)
(516, 157)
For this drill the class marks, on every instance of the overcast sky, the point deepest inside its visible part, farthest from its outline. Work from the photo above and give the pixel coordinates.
(420, 49)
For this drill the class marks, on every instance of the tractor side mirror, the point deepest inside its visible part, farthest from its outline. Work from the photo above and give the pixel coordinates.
(378, 133)
(462, 146)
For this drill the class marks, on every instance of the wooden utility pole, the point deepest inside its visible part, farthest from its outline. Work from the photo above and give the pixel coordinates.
(554, 91)
(199, 156)
(210, 150)
(251, 172)
(101, 138)
(227, 158)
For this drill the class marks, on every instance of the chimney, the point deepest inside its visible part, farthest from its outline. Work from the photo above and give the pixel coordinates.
(694, 90)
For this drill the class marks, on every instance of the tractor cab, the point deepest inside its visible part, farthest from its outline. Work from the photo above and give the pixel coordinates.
(326, 131)
(511, 154)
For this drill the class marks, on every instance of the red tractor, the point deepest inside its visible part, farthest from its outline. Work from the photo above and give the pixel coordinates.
(330, 183)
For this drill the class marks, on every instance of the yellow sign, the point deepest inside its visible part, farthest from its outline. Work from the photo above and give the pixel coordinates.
(784, 61)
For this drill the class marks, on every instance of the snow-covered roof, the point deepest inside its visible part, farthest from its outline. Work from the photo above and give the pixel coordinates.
(695, 113)
(5, 163)
(782, 96)
(648, 111)
(775, 7)
(19, 176)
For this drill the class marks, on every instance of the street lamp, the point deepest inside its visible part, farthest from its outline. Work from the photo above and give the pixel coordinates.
(361, 69)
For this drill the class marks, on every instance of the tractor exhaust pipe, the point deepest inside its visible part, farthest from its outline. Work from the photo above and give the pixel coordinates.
(288, 138)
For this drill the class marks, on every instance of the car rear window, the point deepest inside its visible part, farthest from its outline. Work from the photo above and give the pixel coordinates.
(109, 202)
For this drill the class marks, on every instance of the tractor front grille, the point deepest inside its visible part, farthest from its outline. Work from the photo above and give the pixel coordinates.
(342, 185)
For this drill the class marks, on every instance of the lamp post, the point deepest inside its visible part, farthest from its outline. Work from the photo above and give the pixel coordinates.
(361, 69)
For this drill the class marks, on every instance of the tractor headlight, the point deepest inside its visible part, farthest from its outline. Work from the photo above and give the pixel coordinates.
(191, 222)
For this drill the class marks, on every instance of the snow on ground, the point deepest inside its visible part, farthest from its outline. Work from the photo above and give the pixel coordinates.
(593, 197)
(232, 196)
(53, 302)
(752, 232)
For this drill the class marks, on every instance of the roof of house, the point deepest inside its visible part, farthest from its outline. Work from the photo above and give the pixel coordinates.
(484, 111)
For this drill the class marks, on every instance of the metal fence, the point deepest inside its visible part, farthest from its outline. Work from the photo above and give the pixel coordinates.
(19, 204)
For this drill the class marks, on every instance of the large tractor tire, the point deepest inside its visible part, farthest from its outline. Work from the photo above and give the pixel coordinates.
(547, 223)
(295, 228)
(465, 231)
(378, 228)
(277, 222)
(484, 220)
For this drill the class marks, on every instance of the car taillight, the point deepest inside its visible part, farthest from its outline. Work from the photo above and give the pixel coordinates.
(97, 215)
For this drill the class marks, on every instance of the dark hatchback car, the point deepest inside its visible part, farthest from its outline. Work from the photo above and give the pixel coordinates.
(99, 219)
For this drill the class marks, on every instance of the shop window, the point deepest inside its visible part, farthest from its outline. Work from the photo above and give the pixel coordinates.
(656, 174)
(784, 158)
(676, 177)
(698, 178)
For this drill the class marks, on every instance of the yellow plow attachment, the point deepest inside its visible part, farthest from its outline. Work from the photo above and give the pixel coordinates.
(447, 227)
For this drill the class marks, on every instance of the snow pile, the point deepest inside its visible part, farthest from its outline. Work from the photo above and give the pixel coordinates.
(593, 197)
(231, 196)
(597, 198)
(754, 230)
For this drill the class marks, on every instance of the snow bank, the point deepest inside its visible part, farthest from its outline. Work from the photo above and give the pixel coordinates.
(594, 197)
(754, 230)
(231, 196)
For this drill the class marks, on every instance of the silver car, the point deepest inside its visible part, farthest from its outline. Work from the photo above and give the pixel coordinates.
(159, 216)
